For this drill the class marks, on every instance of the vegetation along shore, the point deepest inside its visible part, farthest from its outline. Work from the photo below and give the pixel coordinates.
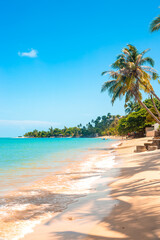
(135, 121)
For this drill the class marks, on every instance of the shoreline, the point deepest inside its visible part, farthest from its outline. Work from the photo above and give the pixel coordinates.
(53, 194)
(133, 199)
(82, 212)
(78, 211)
(107, 137)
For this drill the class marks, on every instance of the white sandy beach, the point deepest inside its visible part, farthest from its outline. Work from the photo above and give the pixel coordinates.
(130, 209)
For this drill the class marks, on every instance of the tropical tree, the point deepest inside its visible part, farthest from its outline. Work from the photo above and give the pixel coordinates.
(129, 76)
(109, 115)
(134, 122)
(51, 131)
(35, 133)
(131, 107)
(155, 24)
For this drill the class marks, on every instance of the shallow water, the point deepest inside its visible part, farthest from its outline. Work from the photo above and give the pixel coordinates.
(25, 160)
(49, 174)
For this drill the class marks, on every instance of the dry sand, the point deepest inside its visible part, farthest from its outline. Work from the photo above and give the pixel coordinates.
(131, 212)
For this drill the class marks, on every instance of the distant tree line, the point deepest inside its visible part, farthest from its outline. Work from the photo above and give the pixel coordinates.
(101, 126)
(135, 121)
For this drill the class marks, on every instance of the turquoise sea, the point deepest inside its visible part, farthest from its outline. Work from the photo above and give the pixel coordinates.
(23, 160)
(40, 177)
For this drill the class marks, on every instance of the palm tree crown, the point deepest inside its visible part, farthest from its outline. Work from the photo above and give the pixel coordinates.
(129, 76)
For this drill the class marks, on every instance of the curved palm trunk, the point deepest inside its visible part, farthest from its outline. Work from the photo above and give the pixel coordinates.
(147, 109)
(155, 95)
(143, 105)
(154, 105)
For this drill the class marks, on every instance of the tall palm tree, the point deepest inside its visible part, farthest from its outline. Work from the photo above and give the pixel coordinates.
(130, 77)
(155, 24)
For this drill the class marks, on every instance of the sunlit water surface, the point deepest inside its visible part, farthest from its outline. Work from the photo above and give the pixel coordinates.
(39, 177)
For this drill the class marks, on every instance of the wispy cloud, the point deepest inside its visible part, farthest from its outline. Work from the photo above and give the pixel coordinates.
(31, 54)
(27, 122)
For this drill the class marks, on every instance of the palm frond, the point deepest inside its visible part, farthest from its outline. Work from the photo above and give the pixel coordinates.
(145, 51)
(129, 96)
(148, 69)
(155, 24)
(105, 73)
(134, 52)
(148, 60)
(107, 85)
(116, 94)
(118, 63)
(155, 76)
(126, 51)
(132, 48)
(138, 59)
(120, 56)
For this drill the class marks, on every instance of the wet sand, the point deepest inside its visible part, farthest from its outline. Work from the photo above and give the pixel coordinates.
(88, 209)
(129, 209)
(49, 197)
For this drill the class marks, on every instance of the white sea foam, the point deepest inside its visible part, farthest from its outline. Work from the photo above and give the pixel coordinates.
(78, 180)
(94, 167)
(115, 145)
(105, 163)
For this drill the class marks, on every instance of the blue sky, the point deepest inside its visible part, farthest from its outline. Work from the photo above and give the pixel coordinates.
(53, 53)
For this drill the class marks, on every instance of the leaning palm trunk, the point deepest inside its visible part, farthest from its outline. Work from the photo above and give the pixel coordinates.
(155, 95)
(154, 105)
(143, 105)
(147, 109)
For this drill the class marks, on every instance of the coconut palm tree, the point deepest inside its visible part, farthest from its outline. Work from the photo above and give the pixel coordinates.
(130, 76)
(155, 24)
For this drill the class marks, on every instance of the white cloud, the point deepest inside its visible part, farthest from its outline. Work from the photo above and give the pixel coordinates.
(27, 123)
(31, 54)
